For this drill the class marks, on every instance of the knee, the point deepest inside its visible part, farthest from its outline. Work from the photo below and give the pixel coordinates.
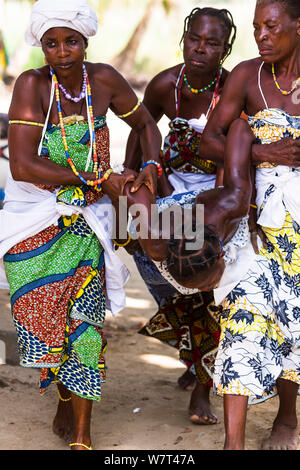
(241, 130)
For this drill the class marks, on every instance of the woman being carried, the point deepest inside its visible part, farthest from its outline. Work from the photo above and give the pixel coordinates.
(58, 257)
(186, 94)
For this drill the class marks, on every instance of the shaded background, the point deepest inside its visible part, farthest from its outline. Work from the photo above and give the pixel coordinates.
(139, 37)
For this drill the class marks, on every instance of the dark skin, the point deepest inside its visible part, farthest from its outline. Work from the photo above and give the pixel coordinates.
(109, 90)
(278, 40)
(224, 208)
(204, 47)
(64, 50)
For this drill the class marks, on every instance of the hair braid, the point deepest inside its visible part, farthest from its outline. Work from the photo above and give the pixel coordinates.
(223, 15)
(183, 263)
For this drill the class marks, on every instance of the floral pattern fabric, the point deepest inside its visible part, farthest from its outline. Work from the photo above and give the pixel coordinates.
(260, 319)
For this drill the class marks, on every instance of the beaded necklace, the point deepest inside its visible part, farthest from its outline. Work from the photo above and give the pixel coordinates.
(76, 99)
(200, 90)
(96, 170)
(284, 92)
(178, 91)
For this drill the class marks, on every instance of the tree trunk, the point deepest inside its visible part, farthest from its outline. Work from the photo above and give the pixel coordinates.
(125, 60)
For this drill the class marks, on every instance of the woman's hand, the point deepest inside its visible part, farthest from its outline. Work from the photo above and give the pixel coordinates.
(284, 152)
(114, 186)
(148, 177)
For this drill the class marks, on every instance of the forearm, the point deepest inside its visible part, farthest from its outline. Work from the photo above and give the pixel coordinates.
(150, 141)
(260, 154)
(212, 147)
(133, 157)
(39, 170)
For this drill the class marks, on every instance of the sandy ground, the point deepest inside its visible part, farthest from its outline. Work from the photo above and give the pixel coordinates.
(142, 406)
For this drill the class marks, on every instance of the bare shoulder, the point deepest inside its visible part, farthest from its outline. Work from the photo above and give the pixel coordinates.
(246, 68)
(104, 73)
(33, 78)
(29, 90)
(162, 84)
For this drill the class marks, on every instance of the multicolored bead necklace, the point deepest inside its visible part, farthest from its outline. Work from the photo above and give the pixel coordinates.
(76, 99)
(284, 92)
(200, 90)
(97, 183)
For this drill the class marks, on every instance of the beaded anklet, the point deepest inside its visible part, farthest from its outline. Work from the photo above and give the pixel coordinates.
(72, 444)
(122, 244)
(63, 399)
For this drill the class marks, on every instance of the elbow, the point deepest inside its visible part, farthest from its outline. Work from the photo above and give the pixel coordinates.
(19, 172)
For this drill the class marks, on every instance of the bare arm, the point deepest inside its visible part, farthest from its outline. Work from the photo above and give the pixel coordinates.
(230, 107)
(24, 140)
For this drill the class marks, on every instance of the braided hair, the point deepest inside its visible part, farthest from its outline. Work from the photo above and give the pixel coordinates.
(225, 18)
(183, 264)
(292, 6)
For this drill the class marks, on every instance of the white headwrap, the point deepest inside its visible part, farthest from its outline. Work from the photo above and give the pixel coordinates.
(74, 14)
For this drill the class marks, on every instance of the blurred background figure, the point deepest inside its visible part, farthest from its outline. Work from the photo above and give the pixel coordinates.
(4, 163)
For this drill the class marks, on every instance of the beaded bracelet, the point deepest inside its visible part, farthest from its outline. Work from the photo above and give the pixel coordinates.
(253, 205)
(154, 162)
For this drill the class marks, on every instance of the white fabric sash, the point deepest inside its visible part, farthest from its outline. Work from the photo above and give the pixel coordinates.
(284, 196)
(29, 210)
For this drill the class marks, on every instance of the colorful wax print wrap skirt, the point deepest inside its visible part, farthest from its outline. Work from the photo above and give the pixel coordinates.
(260, 319)
(187, 322)
(57, 280)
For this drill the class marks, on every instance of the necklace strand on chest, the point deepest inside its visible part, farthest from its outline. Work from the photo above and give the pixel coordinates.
(96, 167)
(284, 92)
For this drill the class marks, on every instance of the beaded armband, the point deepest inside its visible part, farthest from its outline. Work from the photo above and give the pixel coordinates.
(28, 123)
(122, 116)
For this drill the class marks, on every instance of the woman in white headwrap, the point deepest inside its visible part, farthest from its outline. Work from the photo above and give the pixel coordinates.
(55, 248)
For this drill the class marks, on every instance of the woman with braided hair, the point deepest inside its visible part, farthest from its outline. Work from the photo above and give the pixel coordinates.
(258, 354)
(186, 94)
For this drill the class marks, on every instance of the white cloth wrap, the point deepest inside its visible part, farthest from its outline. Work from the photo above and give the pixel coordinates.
(29, 210)
(74, 14)
(184, 181)
(284, 196)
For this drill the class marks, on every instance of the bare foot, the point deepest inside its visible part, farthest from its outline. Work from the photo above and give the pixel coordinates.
(63, 421)
(283, 437)
(187, 381)
(200, 410)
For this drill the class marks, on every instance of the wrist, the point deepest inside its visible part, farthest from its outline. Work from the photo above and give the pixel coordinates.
(259, 155)
(154, 163)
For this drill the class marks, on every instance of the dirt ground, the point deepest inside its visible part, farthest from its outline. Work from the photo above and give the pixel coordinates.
(142, 406)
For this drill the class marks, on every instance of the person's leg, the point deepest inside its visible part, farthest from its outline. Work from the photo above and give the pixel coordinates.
(187, 381)
(63, 421)
(235, 414)
(200, 409)
(82, 411)
(284, 434)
